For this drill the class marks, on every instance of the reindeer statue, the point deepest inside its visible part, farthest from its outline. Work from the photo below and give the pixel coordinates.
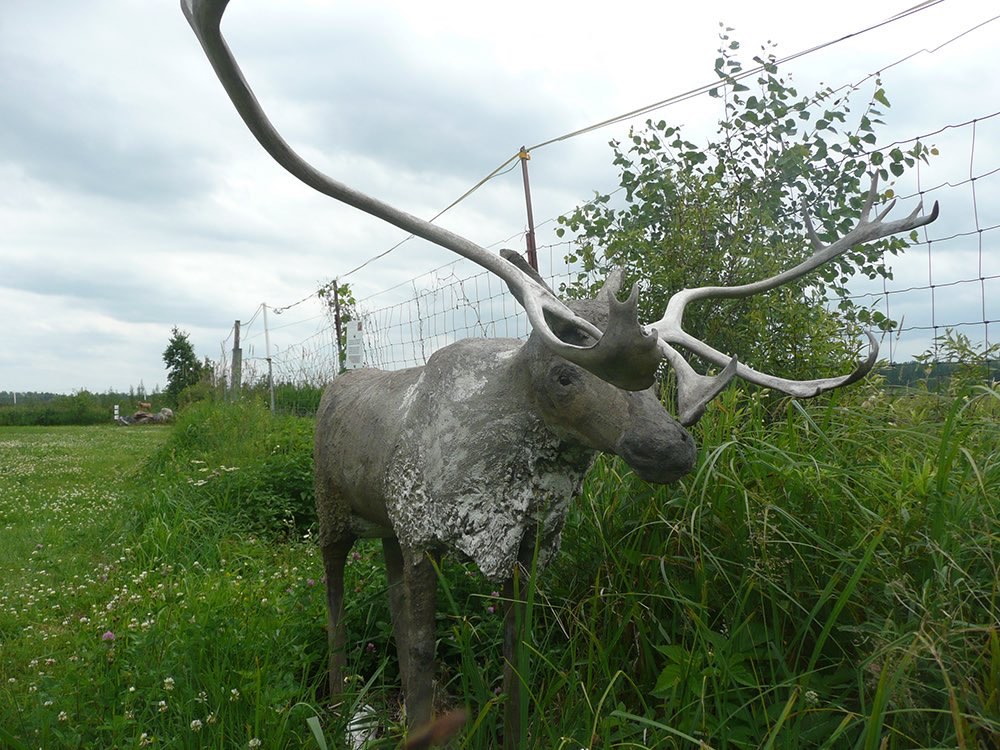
(480, 452)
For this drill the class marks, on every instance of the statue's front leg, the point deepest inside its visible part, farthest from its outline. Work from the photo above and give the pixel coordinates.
(397, 603)
(420, 584)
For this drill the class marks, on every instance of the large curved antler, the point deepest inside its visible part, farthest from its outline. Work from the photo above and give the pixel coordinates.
(615, 357)
(695, 392)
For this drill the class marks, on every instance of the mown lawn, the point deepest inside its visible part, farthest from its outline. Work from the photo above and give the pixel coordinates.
(125, 620)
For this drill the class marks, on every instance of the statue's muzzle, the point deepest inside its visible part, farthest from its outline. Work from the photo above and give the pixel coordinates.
(658, 450)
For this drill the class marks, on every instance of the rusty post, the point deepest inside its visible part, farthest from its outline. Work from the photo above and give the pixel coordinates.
(530, 237)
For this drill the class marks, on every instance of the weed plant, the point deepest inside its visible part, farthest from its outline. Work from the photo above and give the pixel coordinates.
(826, 578)
(238, 462)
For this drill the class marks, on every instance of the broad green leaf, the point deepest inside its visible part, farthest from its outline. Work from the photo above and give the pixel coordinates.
(669, 679)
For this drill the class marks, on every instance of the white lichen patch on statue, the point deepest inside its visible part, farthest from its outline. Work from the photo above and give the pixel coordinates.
(411, 393)
(467, 385)
(494, 507)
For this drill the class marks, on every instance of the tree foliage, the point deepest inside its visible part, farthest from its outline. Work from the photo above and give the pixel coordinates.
(184, 369)
(730, 213)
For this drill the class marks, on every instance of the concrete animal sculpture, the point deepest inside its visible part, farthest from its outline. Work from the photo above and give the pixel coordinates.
(478, 453)
(481, 450)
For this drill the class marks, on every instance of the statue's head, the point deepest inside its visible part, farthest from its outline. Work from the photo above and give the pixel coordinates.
(578, 405)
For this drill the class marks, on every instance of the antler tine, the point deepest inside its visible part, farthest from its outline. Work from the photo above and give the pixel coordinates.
(205, 17)
(670, 325)
(694, 390)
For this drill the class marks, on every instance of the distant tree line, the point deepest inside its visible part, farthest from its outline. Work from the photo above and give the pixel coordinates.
(937, 376)
(80, 408)
(186, 377)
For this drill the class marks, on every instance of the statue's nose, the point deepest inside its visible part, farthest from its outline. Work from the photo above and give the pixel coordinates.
(658, 453)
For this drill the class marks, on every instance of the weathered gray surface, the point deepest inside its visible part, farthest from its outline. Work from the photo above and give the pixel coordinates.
(469, 453)
(472, 466)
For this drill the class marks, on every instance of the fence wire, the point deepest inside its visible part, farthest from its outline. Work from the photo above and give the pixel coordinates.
(948, 280)
(956, 286)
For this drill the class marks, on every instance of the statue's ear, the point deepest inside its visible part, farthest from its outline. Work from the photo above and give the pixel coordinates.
(563, 329)
(515, 258)
(612, 284)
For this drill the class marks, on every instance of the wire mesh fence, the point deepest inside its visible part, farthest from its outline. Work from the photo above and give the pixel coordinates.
(951, 276)
(948, 281)
(450, 303)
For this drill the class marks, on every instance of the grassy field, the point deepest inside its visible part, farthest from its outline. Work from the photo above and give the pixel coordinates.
(128, 618)
(827, 578)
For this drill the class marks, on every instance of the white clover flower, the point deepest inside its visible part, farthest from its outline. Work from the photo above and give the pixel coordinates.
(196, 725)
(168, 683)
(234, 694)
(162, 706)
(255, 743)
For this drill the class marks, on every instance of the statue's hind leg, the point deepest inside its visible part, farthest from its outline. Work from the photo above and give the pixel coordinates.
(334, 560)
(397, 603)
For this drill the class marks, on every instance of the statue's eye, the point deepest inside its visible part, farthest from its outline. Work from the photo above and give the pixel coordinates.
(565, 375)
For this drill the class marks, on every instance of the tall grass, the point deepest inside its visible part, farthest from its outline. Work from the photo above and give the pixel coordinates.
(826, 578)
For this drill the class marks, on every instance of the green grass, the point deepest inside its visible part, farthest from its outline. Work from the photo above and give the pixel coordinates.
(827, 578)
(127, 613)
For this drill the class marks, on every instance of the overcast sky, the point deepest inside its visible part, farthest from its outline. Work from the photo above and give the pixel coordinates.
(133, 199)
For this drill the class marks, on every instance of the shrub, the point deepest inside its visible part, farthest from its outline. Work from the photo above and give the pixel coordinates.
(240, 461)
(729, 212)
